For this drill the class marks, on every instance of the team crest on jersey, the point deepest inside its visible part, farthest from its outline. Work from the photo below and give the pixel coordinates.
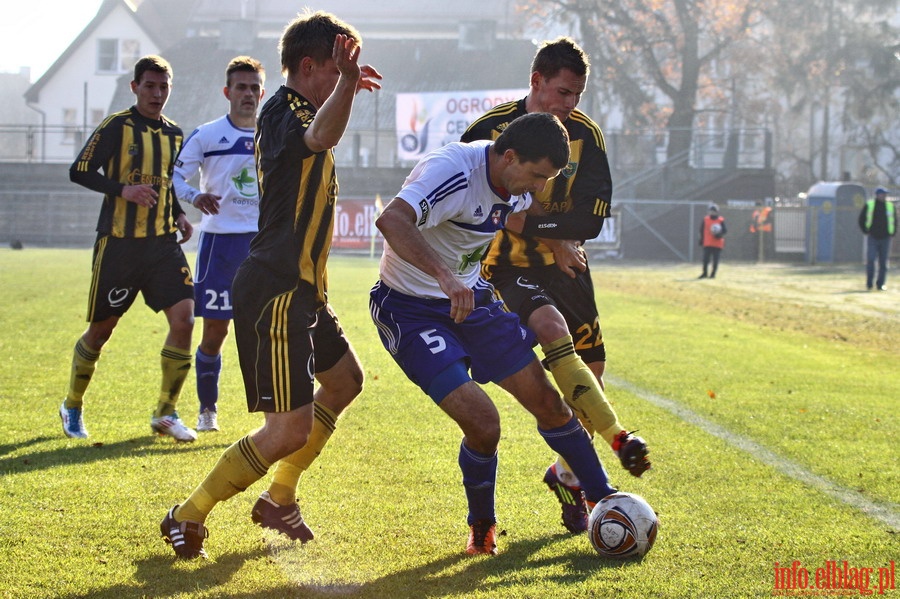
(423, 205)
(132, 149)
(570, 169)
(497, 218)
(248, 145)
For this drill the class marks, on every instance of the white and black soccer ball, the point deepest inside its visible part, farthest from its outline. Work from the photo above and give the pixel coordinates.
(716, 229)
(623, 526)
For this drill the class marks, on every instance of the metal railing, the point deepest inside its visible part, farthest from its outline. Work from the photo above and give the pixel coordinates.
(629, 151)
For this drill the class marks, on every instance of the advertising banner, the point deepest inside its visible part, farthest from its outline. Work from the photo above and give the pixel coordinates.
(426, 121)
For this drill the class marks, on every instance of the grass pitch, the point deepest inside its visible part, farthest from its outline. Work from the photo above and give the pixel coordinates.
(769, 397)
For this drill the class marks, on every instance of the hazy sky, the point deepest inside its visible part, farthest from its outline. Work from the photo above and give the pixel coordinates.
(34, 32)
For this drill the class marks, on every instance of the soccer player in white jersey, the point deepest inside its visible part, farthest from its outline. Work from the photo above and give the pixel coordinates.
(223, 151)
(440, 321)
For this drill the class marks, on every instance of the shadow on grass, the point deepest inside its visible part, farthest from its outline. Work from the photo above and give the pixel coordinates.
(87, 452)
(11, 447)
(165, 576)
(458, 575)
(519, 566)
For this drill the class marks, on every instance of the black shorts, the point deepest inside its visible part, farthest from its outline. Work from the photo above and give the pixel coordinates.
(524, 290)
(282, 339)
(154, 266)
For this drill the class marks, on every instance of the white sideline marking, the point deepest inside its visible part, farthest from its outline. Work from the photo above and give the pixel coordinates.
(888, 513)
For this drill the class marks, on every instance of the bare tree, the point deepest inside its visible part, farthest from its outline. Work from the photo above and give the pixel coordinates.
(659, 59)
(834, 65)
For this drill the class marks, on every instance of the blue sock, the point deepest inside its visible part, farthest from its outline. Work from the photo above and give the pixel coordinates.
(208, 369)
(479, 478)
(573, 443)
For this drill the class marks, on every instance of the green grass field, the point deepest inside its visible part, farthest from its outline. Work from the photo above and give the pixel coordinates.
(769, 396)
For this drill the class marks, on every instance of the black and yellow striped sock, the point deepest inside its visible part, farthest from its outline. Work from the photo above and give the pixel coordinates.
(240, 466)
(176, 364)
(283, 489)
(581, 389)
(84, 361)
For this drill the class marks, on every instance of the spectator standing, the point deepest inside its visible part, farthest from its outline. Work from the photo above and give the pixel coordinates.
(878, 222)
(712, 240)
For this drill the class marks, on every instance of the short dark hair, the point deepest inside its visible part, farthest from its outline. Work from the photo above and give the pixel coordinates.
(244, 64)
(312, 34)
(561, 53)
(535, 136)
(154, 63)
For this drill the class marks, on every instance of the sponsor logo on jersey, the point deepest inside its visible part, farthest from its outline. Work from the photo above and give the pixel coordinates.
(224, 140)
(478, 212)
(244, 183)
(426, 209)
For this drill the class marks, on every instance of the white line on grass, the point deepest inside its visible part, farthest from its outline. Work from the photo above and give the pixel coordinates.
(887, 513)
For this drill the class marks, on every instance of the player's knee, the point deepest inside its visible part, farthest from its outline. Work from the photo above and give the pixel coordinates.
(548, 324)
(485, 436)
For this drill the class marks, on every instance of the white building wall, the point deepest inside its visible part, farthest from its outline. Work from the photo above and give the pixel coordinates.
(78, 84)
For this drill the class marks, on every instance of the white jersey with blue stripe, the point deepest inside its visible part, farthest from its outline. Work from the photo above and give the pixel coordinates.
(223, 153)
(457, 211)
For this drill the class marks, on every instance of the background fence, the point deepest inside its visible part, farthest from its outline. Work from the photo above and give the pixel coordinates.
(645, 230)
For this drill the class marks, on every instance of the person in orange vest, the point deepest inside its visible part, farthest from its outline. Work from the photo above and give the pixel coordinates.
(712, 239)
(761, 220)
(761, 231)
(878, 221)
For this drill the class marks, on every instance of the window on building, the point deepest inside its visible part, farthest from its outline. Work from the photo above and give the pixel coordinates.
(70, 124)
(117, 56)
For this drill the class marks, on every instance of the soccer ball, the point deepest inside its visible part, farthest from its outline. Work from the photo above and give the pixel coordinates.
(622, 526)
(716, 229)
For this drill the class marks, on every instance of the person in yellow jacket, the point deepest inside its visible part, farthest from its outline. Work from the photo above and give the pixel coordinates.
(878, 221)
(712, 239)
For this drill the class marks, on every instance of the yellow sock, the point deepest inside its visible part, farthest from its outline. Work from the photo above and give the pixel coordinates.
(176, 364)
(240, 466)
(84, 361)
(283, 489)
(580, 389)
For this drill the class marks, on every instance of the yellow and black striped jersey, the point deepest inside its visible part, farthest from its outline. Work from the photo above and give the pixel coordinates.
(576, 202)
(298, 191)
(131, 149)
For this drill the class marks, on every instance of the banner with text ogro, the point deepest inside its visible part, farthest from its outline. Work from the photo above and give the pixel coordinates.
(426, 121)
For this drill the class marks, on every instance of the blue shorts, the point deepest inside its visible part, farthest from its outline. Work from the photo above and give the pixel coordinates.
(218, 258)
(424, 340)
